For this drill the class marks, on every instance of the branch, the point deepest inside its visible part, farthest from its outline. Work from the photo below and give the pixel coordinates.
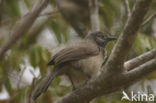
(98, 87)
(109, 84)
(128, 10)
(23, 27)
(149, 19)
(51, 13)
(141, 70)
(128, 35)
(29, 98)
(107, 81)
(94, 15)
(12, 20)
(36, 28)
(131, 64)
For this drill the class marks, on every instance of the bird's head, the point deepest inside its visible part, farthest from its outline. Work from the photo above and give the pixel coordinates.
(100, 38)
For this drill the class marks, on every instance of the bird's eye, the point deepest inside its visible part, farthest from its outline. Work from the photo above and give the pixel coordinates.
(101, 36)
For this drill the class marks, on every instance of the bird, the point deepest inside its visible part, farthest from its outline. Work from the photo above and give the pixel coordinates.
(79, 61)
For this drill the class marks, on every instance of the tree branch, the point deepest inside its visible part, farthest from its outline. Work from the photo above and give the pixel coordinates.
(141, 71)
(128, 35)
(107, 81)
(23, 27)
(149, 19)
(128, 10)
(94, 15)
(108, 84)
(131, 64)
(103, 86)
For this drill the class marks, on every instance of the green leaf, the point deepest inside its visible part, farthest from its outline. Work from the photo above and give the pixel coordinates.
(39, 57)
(56, 29)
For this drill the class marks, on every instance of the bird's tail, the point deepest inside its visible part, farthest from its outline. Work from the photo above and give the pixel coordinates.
(44, 85)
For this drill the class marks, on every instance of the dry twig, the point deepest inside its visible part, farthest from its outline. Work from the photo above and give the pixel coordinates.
(149, 19)
(128, 10)
(94, 15)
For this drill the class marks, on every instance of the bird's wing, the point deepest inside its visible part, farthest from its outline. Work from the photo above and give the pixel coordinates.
(75, 52)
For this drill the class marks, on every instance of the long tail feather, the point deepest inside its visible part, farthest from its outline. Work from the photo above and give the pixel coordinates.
(44, 85)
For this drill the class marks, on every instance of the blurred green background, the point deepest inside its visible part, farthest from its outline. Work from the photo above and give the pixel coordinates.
(62, 22)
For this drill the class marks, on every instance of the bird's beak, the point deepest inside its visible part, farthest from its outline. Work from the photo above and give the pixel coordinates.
(110, 38)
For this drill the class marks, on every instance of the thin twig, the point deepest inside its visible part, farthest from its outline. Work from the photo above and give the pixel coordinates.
(13, 20)
(94, 15)
(51, 13)
(30, 100)
(128, 10)
(20, 78)
(149, 19)
(23, 26)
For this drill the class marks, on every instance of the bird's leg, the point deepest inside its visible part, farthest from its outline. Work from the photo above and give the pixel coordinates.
(70, 78)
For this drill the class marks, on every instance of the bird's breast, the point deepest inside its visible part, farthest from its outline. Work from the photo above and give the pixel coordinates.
(91, 66)
(82, 70)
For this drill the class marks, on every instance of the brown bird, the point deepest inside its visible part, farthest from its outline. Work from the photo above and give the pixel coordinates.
(79, 61)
